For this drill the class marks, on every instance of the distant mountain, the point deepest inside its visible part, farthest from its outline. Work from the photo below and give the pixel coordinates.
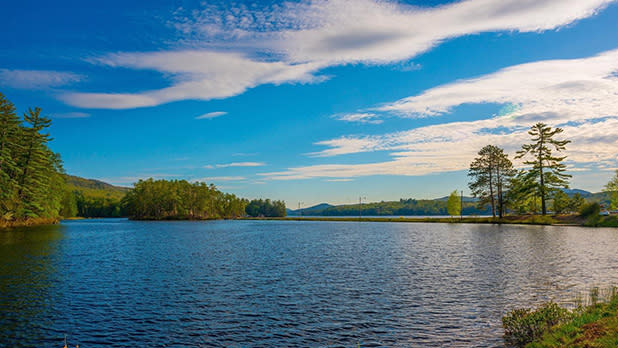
(572, 192)
(95, 188)
(465, 199)
(314, 210)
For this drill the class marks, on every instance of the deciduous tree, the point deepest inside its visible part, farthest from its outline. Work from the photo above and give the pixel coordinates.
(491, 172)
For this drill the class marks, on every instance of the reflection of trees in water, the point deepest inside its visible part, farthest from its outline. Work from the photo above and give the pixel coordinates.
(28, 284)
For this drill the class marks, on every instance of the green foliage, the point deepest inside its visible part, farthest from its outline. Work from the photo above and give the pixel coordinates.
(453, 204)
(561, 202)
(522, 196)
(403, 207)
(607, 221)
(92, 198)
(612, 188)
(491, 173)
(547, 170)
(265, 208)
(591, 212)
(30, 173)
(179, 199)
(522, 326)
(593, 325)
(576, 202)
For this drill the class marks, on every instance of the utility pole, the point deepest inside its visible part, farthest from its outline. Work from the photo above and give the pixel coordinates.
(300, 211)
(360, 207)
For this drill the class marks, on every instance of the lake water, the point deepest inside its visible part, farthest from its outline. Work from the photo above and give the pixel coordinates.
(119, 283)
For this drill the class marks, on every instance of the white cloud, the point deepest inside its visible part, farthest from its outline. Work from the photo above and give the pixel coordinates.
(200, 75)
(574, 88)
(75, 114)
(36, 79)
(374, 31)
(239, 47)
(211, 115)
(236, 164)
(360, 117)
(579, 95)
(222, 178)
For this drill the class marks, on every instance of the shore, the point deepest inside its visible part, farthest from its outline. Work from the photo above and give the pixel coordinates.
(590, 324)
(29, 222)
(559, 220)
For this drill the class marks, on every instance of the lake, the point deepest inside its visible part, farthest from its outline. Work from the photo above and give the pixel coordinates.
(120, 283)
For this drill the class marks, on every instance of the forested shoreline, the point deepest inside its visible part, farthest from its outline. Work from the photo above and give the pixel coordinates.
(36, 190)
(31, 174)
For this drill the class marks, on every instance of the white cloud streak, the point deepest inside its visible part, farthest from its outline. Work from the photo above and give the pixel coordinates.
(579, 95)
(235, 164)
(240, 48)
(36, 79)
(360, 117)
(75, 114)
(211, 115)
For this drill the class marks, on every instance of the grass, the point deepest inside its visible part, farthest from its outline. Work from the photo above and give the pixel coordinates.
(592, 325)
(27, 222)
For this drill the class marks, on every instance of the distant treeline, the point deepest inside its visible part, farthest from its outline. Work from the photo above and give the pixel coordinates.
(401, 208)
(92, 199)
(34, 188)
(266, 208)
(31, 180)
(179, 199)
(182, 200)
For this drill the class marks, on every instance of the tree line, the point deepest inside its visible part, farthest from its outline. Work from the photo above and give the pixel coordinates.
(179, 199)
(31, 174)
(34, 187)
(403, 207)
(498, 184)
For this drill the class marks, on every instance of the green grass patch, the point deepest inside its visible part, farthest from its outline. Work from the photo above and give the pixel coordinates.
(593, 324)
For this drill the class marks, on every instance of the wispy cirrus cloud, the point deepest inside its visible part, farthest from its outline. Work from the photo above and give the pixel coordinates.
(37, 79)
(211, 115)
(74, 114)
(235, 164)
(197, 74)
(359, 117)
(579, 95)
(222, 178)
(236, 48)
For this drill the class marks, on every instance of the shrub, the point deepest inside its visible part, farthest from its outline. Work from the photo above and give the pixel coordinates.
(522, 326)
(590, 210)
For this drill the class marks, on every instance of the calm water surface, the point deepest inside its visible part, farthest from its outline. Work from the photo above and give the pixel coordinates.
(118, 283)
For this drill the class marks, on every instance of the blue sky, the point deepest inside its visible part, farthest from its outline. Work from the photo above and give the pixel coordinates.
(314, 101)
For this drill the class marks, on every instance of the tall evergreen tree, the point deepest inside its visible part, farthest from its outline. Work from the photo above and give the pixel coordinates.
(547, 170)
(521, 195)
(9, 146)
(35, 161)
(491, 173)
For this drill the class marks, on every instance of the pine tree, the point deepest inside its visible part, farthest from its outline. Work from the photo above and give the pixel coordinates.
(37, 163)
(9, 145)
(547, 170)
(491, 173)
